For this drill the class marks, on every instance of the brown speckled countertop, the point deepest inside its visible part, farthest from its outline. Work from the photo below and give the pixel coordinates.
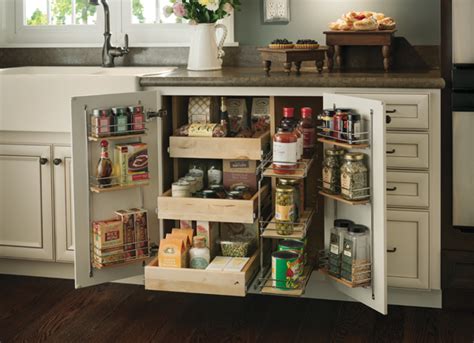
(255, 77)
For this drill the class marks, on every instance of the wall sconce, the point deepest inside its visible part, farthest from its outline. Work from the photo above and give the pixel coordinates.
(276, 11)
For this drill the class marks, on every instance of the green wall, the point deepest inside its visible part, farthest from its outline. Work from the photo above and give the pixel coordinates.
(418, 20)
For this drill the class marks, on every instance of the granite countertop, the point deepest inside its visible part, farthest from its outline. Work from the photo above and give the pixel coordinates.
(255, 77)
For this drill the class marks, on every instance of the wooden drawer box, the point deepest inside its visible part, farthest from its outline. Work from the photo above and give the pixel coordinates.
(407, 189)
(212, 210)
(408, 150)
(408, 249)
(219, 148)
(187, 280)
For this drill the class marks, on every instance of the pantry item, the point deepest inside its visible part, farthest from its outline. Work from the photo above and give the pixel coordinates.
(363, 21)
(209, 194)
(306, 44)
(219, 263)
(285, 150)
(210, 232)
(181, 189)
(235, 195)
(214, 173)
(285, 209)
(193, 183)
(309, 133)
(243, 190)
(327, 122)
(354, 177)
(177, 234)
(224, 116)
(260, 117)
(336, 245)
(137, 119)
(281, 44)
(186, 224)
(219, 190)
(332, 170)
(340, 119)
(189, 231)
(172, 254)
(201, 110)
(240, 172)
(199, 255)
(236, 264)
(129, 232)
(356, 260)
(298, 194)
(238, 115)
(101, 123)
(107, 257)
(104, 167)
(286, 270)
(198, 170)
(107, 234)
(120, 120)
(141, 230)
(131, 163)
(295, 246)
(236, 247)
(353, 127)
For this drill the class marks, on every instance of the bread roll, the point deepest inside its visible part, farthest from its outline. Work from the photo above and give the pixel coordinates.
(387, 24)
(367, 24)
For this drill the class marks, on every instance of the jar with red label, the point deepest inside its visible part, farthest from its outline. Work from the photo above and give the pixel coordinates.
(290, 122)
(340, 120)
(285, 144)
(101, 123)
(137, 119)
(309, 132)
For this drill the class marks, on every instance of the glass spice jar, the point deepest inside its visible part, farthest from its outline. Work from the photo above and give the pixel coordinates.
(353, 127)
(137, 119)
(220, 191)
(101, 123)
(309, 135)
(332, 170)
(120, 120)
(339, 123)
(298, 195)
(327, 122)
(354, 177)
(285, 205)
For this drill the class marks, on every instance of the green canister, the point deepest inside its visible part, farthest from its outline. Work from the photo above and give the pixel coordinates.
(296, 246)
(285, 269)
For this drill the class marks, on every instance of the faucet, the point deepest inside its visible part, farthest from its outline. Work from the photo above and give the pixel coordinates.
(109, 52)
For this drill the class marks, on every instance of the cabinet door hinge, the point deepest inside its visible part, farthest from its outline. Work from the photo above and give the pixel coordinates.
(156, 114)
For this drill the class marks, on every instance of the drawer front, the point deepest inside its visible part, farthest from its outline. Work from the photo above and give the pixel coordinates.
(407, 189)
(408, 249)
(408, 150)
(407, 111)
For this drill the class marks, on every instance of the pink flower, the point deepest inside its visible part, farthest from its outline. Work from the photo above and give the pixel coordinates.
(179, 10)
(228, 8)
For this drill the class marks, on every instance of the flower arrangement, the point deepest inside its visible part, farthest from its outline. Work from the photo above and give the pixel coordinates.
(201, 11)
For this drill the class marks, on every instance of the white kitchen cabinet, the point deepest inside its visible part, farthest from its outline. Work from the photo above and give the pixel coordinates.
(26, 214)
(62, 185)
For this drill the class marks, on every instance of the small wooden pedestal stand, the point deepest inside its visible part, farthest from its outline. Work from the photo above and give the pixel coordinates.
(290, 56)
(335, 40)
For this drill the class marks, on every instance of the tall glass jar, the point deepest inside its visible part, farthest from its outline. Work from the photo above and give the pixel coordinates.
(354, 177)
(285, 151)
(356, 263)
(299, 195)
(332, 170)
(285, 205)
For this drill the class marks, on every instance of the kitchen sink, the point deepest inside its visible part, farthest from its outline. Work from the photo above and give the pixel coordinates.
(39, 98)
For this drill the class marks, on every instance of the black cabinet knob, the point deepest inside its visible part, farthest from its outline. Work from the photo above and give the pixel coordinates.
(388, 119)
(43, 161)
(57, 161)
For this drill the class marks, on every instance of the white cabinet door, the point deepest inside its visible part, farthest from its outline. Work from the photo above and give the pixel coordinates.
(62, 171)
(372, 215)
(88, 206)
(26, 220)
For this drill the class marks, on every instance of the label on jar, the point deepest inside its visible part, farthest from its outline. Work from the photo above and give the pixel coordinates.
(199, 263)
(299, 152)
(104, 124)
(214, 176)
(285, 153)
(201, 130)
(334, 246)
(347, 252)
(308, 137)
(356, 130)
(345, 183)
(284, 212)
(327, 175)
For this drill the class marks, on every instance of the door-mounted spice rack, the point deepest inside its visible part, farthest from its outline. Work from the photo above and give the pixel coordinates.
(360, 274)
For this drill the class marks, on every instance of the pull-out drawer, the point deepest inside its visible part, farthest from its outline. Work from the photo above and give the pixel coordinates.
(407, 111)
(408, 150)
(408, 249)
(186, 280)
(407, 189)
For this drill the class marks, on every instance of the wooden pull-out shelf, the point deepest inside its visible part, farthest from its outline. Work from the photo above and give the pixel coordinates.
(211, 210)
(226, 148)
(200, 281)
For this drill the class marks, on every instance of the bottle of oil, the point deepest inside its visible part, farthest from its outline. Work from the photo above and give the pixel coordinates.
(104, 166)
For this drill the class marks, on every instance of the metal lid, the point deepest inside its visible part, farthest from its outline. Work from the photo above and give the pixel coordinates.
(330, 112)
(344, 223)
(354, 156)
(285, 255)
(335, 152)
(285, 189)
(292, 244)
(356, 228)
(289, 182)
(343, 110)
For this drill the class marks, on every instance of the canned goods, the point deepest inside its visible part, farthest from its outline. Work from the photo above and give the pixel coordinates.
(286, 269)
(296, 246)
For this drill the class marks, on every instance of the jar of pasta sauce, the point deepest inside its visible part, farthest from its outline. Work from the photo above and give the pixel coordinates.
(285, 145)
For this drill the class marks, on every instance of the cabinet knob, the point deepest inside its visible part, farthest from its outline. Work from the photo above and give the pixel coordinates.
(392, 250)
(43, 161)
(57, 161)
(388, 119)
(393, 189)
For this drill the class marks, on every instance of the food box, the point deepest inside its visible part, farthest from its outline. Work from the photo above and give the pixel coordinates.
(202, 110)
(236, 264)
(189, 232)
(238, 115)
(182, 236)
(127, 218)
(260, 117)
(103, 258)
(141, 231)
(210, 231)
(107, 234)
(131, 163)
(219, 263)
(240, 172)
(172, 254)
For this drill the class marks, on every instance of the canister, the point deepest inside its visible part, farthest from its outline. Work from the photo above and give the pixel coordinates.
(285, 270)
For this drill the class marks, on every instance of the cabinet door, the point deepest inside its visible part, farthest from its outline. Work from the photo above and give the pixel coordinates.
(372, 215)
(62, 171)
(26, 223)
(89, 206)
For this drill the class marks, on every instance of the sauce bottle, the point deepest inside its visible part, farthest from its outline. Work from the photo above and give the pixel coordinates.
(290, 122)
(285, 144)
(309, 133)
(104, 166)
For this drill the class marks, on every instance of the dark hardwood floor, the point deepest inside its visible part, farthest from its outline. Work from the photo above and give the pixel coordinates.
(38, 309)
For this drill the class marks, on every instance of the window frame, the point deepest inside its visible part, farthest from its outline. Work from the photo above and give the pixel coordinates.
(14, 32)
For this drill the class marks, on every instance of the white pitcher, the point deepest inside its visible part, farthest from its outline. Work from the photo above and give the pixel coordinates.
(205, 53)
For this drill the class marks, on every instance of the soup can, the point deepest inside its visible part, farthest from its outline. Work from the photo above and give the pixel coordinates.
(285, 269)
(294, 245)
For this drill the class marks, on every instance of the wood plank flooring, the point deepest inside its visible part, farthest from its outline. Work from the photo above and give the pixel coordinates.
(50, 310)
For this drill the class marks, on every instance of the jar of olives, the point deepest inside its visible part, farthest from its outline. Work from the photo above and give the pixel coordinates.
(354, 177)
(332, 170)
(298, 195)
(285, 213)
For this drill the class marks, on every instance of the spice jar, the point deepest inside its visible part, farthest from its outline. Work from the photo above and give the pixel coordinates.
(137, 119)
(199, 254)
(354, 177)
(339, 123)
(101, 124)
(120, 120)
(285, 205)
(332, 170)
(336, 245)
(299, 209)
(285, 151)
(193, 183)
(355, 266)
(353, 127)
(327, 122)
(180, 189)
(244, 190)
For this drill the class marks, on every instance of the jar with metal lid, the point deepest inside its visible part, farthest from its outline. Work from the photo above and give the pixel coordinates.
(356, 260)
(354, 177)
(180, 189)
(353, 127)
(220, 191)
(209, 194)
(299, 195)
(285, 151)
(327, 122)
(244, 190)
(285, 209)
(336, 245)
(137, 119)
(235, 195)
(120, 120)
(101, 123)
(332, 170)
(340, 119)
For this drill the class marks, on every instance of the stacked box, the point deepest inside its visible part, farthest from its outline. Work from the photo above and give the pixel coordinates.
(131, 163)
(107, 242)
(127, 218)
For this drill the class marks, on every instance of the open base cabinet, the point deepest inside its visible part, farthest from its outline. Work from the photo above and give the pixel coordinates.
(168, 160)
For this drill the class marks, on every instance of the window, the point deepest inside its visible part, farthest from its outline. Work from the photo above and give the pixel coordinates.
(70, 23)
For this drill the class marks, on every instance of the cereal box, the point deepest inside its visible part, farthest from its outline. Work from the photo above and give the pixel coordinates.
(127, 219)
(131, 163)
(107, 234)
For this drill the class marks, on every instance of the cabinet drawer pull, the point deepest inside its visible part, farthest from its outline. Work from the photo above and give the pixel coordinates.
(392, 189)
(391, 151)
(388, 119)
(43, 161)
(57, 161)
(391, 111)
(392, 250)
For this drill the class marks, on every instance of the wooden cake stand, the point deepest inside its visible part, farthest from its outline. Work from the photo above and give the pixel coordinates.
(293, 56)
(335, 40)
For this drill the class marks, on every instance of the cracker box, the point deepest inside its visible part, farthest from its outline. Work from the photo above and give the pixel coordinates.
(141, 231)
(211, 232)
(240, 172)
(131, 163)
(219, 263)
(172, 254)
(107, 234)
(127, 218)
(202, 110)
(238, 115)
(106, 257)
